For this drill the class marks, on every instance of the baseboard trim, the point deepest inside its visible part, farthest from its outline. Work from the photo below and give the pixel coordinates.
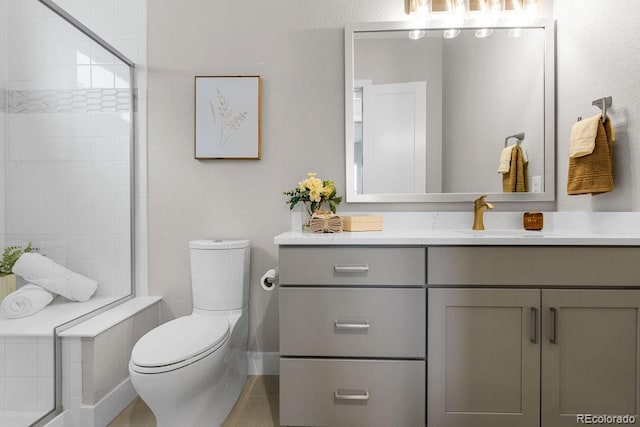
(103, 412)
(263, 363)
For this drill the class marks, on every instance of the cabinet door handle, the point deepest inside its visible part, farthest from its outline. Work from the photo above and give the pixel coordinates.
(553, 330)
(356, 268)
(533, 332)
(362, 395)
(352, 325)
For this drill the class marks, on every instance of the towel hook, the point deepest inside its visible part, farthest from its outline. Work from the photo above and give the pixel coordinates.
(518, 136)
(604, 104)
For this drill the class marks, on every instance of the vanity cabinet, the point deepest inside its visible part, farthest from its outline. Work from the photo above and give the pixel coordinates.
(352, 336)
(560, 341)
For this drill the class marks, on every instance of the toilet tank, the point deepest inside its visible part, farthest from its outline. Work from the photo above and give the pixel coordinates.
(219, 274)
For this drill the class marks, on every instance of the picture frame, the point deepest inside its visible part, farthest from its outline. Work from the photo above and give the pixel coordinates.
(228, 117)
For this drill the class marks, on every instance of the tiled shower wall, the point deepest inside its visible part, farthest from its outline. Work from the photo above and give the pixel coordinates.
(66, 154)
(26, 374)
(123, 24)
(67, 167)
(67, 180)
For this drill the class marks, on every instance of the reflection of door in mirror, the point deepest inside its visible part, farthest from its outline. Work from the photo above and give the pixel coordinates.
(394, 138)
(391, 60)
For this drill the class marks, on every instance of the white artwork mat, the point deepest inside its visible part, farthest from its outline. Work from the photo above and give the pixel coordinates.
(227, 117)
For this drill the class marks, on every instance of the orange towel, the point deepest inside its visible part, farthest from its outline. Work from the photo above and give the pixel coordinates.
(593, 173)
(516, 179)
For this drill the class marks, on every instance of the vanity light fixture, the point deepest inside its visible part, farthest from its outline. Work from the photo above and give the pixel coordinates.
(456, 17)
(417, 7)
(531, 8)
(485, 12)
(489, 17)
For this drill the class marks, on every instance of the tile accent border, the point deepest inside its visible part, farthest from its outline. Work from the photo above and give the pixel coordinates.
(3, 100)
(68, 101)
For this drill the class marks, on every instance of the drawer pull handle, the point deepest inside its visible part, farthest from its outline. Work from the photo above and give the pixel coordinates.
(352, 325)
(358, 268)
(352, 395)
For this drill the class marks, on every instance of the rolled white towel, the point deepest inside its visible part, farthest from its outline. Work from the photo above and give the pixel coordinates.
(42, 271)
(27, 300)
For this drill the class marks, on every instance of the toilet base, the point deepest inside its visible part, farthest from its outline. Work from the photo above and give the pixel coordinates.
(202, 393)
(209, 408)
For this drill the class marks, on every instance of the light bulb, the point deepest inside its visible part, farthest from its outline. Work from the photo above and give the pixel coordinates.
(483, 33)
(416, 34)
(515, 32)
(451, 33)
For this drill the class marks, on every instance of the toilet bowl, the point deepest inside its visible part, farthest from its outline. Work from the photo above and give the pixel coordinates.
(190, 370)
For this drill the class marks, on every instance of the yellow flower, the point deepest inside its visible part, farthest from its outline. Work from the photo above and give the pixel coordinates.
(314, 196)
(327, 190)
(311, 183)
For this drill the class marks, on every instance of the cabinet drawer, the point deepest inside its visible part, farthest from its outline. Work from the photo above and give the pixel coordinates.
(353, 322)
(317, 392)
(331, 265)
(534, 266)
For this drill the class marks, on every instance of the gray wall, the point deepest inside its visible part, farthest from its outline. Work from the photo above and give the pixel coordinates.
(297, 47)
(598, 44)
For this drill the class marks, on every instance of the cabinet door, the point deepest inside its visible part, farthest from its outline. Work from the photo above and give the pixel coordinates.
(590, 358)
(483, 358)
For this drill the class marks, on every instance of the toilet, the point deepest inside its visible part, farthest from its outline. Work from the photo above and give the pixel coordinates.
(190, 370)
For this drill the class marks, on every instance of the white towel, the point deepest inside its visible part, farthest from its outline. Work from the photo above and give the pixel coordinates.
(583, 136)
(505, 159)
(27, 300)
(42, 271)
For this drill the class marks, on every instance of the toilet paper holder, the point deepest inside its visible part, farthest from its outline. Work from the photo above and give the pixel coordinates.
(269, 280)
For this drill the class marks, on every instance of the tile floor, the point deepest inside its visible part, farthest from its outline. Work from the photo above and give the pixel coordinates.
(257, 406)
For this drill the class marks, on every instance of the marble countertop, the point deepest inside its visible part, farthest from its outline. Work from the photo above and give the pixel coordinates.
(501, 228)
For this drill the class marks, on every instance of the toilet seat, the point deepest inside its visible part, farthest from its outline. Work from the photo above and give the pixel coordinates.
(178, 343)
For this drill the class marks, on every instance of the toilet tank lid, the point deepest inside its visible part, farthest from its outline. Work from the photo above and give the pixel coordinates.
(218, 244)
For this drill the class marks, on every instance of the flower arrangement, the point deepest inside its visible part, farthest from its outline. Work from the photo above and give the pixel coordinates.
(314, 193)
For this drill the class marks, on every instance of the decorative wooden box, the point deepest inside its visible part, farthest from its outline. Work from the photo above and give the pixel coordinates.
(362, 223)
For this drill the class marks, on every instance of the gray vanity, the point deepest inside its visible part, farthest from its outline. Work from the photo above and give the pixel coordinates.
(450, 328)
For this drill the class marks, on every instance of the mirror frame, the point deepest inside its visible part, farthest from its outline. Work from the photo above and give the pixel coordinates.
(548, 194)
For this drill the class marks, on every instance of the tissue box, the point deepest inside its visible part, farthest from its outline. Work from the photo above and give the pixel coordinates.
(362, 223)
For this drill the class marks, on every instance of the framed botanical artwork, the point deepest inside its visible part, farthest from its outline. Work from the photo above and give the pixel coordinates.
(227, 117)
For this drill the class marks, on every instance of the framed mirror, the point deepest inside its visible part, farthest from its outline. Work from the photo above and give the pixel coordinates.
(428, 116)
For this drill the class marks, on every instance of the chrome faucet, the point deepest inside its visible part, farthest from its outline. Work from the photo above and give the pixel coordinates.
(479, 205)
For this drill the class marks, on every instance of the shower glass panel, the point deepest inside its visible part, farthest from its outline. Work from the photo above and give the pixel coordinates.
(66, 186)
